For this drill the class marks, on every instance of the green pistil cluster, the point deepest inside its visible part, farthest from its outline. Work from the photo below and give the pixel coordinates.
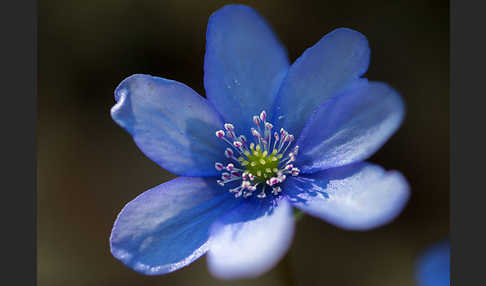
(261, 166)
(260, 163)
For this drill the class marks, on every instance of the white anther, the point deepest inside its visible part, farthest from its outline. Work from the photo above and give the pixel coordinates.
(256, 120)
(262, 142)
(243, 139)
(218, 166)
(247, 194)
(285, 137)
(263, 116)
(255, 133)
(276, 190)
(228, 153)
(245, 184)
(261, 195)
(220, 133)
(226, 176)
(229, 127)
(296, 150)
(295, 172)
(272, 181)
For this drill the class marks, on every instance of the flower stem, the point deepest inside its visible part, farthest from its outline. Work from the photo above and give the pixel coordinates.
(298, 214)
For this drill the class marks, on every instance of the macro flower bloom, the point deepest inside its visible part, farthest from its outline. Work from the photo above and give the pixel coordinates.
(270, 137)
(433, 267)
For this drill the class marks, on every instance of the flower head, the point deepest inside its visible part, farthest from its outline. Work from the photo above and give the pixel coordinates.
(433, 267)
(269, 137)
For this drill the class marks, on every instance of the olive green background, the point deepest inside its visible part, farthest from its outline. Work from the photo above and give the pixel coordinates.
(89, 168)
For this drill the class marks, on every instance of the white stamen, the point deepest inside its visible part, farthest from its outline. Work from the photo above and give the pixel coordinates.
(276, 190)
(255, 133)
(258, 157)
(291, 138)
(243, 139)
(262, 194)
(245, 184)
(229, 127)
(263, 116)
(218, 166)
(295, 172)
(256, 120)
(228, 153)
(220, 133)
(226, 176)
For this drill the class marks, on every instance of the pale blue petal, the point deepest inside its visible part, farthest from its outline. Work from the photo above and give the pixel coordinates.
(320, 73)
(170, 123)
(167, 227)
(357, 197)
(244, 64)
(350, 127)
(433, 267)
(251, 239)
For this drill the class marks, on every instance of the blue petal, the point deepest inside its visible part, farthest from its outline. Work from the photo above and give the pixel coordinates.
(167, 227)
(244, 64)
(250, 240)
(350, 127)
(433, 267)
(320, 73)
(170, 123)
(356, 197)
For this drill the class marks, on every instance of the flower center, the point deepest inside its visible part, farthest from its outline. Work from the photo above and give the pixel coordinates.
(260, 165)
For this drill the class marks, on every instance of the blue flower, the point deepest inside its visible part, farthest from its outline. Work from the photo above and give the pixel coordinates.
(269, 137)
(433, 267)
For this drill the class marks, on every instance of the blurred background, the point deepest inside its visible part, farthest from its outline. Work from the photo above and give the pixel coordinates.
(89, 168)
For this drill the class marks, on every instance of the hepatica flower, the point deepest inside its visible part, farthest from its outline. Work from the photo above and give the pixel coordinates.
(433, 267)
(270, 137)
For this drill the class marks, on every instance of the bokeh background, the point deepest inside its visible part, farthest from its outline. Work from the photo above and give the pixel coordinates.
(89, 168)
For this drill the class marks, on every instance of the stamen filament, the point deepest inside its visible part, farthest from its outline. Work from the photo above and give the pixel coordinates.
(259, 162)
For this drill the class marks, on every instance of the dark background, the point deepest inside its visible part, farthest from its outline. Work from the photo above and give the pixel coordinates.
(89, 168)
